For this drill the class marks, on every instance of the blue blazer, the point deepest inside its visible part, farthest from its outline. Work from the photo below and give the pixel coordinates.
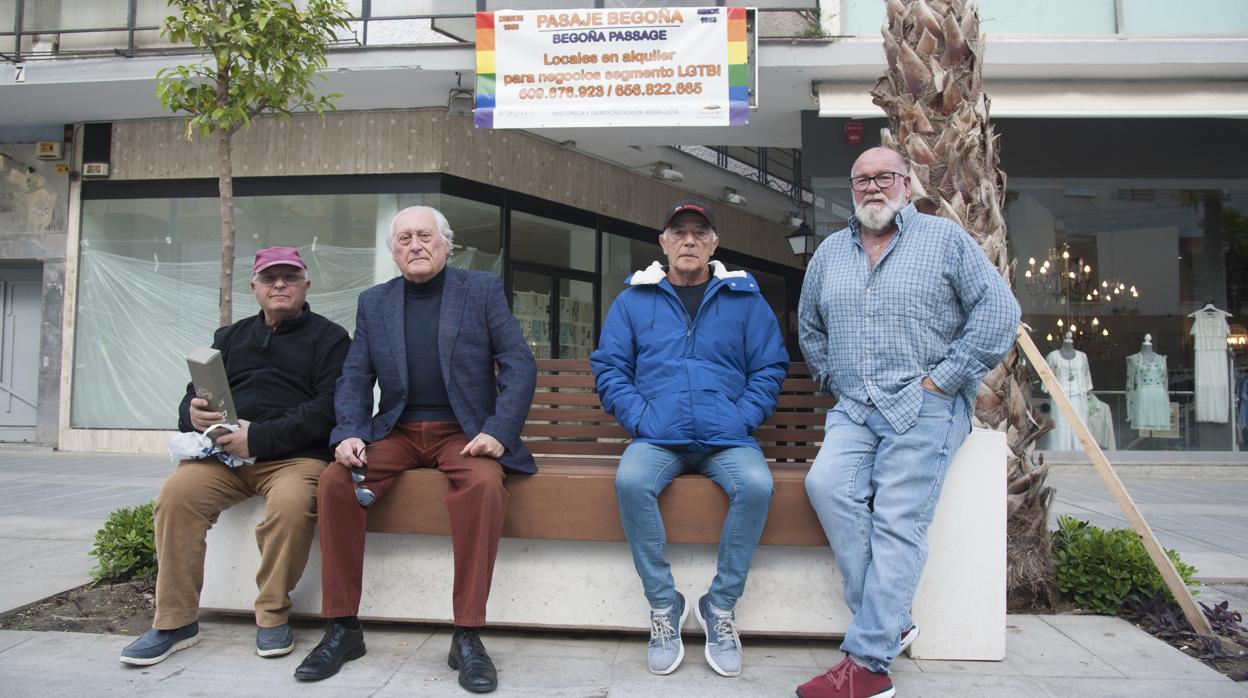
(476, 330)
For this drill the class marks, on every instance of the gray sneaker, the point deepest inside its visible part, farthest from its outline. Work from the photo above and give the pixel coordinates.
(274, 642)
(666, 651)
(154, 646)
(723, 643)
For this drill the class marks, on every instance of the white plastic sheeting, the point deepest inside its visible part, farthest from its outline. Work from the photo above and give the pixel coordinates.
(137, 319)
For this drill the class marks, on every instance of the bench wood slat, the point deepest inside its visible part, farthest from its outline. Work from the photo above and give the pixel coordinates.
(562, 398)
(576, 448)
(566, 414)
(801, 385)
(566, 380)
(598, 431)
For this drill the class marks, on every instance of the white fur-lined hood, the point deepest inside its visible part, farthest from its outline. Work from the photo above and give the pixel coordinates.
(654, 273)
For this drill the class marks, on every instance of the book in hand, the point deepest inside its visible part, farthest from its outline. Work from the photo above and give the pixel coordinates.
(208, 375)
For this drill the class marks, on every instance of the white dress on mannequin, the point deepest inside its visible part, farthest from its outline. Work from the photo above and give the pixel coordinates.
(1213, 387)
(1148, 390)
(1075, 378)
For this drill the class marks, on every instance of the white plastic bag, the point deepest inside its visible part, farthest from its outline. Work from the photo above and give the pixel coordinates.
(192, 445)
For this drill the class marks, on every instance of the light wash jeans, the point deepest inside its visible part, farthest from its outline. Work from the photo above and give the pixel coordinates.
(874, 491)
(645, 470)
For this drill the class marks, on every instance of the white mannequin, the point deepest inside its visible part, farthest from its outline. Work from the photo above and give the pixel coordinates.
(1070, 367)
(1068, 346)
(1148, 396)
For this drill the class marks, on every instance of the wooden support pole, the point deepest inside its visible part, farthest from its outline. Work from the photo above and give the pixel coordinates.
(1171, 576)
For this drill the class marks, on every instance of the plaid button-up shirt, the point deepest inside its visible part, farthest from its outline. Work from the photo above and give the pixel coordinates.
(932, 306)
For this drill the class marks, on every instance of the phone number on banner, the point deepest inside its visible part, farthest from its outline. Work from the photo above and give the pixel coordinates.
(624, 90)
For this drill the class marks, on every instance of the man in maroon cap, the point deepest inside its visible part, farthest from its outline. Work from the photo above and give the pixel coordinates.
(282, 365)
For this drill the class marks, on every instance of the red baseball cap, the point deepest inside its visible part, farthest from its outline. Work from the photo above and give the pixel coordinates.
(693, 206)
(273, 256)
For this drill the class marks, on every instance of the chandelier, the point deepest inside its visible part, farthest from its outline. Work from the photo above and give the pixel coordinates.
(1070, 283)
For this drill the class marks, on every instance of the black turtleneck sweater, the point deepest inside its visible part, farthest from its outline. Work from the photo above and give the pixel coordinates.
(427, 400)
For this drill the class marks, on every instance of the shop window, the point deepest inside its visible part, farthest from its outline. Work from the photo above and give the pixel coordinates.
(148, 277)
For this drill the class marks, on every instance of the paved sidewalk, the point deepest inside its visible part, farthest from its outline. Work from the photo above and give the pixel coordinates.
(52, 503)
(1054, 656)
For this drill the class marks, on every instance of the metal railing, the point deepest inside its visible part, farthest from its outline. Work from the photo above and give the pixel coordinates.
(43, 29)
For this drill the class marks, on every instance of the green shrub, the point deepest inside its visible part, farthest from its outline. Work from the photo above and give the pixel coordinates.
(126, 546)
(1099, 569)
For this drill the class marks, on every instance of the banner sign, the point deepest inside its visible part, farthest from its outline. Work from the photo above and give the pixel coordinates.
(642, 67)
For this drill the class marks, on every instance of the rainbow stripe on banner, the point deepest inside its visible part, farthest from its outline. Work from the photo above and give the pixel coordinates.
(483, 115)
(738, 68)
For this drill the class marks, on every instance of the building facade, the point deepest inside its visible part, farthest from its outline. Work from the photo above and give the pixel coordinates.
(1122, 134)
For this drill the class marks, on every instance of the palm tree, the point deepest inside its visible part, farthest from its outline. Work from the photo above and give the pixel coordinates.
(938, 118)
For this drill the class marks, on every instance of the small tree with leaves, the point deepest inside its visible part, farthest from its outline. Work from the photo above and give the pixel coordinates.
(261, 57)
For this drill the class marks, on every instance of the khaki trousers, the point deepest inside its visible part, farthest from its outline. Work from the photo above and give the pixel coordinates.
(187, 507)
(476, 502)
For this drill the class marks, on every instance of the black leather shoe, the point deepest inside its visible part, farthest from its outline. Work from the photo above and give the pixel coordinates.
(340, 644)
(476, 669)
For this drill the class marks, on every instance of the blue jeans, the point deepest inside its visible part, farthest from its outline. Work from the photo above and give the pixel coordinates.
(645, 470)
(874, 491)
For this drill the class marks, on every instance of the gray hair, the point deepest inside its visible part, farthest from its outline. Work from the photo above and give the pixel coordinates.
(444, 227)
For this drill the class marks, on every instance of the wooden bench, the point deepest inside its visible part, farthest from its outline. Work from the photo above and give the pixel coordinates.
(564, 562)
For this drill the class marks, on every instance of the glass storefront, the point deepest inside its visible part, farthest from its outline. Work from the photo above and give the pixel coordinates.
(149, 258)
(1148, 278)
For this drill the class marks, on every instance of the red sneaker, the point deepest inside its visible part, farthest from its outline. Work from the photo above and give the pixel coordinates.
(847, 680)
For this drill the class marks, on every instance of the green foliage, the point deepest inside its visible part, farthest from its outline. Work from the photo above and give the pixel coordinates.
(1100, 569)
(126, 546)
(261, 56)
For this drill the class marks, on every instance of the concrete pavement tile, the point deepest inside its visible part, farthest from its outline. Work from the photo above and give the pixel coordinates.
(14, 549)
(13, 638)
(543, 675)
(1112, 688)
(697, 681)
(20, 590)
(1033, 648)
(968, 686)
(1130, 650)
(1217, 565)
(1228, 591)
(50, 527)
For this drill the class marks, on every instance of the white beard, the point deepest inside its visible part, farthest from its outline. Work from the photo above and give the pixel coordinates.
(878, 217)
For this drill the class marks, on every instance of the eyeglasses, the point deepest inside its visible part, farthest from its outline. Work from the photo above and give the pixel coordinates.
(289, 278)
(883, 180)
(701, 234)
(363, 495)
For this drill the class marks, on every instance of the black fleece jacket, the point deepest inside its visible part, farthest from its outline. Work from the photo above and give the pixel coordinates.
(282, 381)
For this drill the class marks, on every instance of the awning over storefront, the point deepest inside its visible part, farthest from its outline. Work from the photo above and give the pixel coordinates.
(1071, 99)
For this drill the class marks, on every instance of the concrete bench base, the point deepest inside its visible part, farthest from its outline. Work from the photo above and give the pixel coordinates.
(792, 591)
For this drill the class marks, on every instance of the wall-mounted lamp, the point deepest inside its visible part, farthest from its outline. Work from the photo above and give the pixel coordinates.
(664, 171)
(802, 241)
(732, 197)
(460, 102)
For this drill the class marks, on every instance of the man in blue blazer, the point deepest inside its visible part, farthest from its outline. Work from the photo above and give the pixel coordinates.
(431, 339)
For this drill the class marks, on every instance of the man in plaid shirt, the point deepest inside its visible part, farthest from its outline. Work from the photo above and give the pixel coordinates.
(901, 315)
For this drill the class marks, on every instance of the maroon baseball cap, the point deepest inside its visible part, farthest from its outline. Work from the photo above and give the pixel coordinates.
(273, 256)
(692, 206)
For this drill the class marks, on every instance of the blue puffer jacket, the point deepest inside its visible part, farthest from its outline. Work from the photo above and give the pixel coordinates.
(698, 386)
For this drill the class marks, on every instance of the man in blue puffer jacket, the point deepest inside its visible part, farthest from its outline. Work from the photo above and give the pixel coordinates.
(690, 362)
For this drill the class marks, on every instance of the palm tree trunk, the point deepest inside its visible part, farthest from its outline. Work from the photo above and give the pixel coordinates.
(938, 120)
